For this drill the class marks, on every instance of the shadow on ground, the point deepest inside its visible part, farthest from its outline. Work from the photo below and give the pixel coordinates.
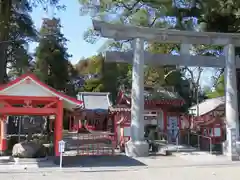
(97, 161)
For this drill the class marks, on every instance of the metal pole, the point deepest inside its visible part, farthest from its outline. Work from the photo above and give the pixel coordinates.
(60, 163)
(19, 128)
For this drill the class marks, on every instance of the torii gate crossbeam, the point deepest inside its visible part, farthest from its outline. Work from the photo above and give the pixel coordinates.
(167, 59)
(136, 146)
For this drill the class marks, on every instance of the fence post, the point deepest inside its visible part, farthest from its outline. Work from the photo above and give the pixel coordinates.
(177, 143)
(78, 143)
(198, 141)
(210, 146)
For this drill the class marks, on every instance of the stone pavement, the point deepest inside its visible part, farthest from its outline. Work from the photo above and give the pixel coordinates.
(174, 173)
(155, 167)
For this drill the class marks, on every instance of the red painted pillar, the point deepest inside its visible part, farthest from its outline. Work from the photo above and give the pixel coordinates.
(58, 127)
(3, 134)
(115, 128)
(165, 120)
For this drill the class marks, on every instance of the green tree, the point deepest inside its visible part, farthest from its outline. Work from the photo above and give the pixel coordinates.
(8, 10)
(22, 31)
(91, 65)
(116, 75)
(219, 16)
(216, 16)
(141, 13)
(91, 69)
(101, 76)
(93, 85)
(52, 65)
(219, 88)
(5, 16)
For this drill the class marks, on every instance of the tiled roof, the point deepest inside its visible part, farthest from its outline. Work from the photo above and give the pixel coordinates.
(158, 94)
(119, 108)
(207, 106)
(95, 100)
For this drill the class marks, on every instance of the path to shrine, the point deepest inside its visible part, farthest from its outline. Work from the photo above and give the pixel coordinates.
(172, 168)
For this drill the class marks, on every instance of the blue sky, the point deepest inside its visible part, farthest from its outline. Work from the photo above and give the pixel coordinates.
(74, 26)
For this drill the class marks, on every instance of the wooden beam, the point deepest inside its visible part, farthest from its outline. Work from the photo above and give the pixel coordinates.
(5, 104)
(123, 32)
(51, 104)
(167, 59)
(30, 98)
(27, 111)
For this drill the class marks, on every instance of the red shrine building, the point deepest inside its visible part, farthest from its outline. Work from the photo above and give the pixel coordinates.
(209, 120)
(161, 110)
(94, 111)
(27, 95)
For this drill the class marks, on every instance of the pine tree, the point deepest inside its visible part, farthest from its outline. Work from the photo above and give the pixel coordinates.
(52, 65)
(10, 9)
(22, 31)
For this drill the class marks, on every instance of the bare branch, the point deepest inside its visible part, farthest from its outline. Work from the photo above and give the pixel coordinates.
(190, 72)
(153, 22)
(129, 8)
(200, 70)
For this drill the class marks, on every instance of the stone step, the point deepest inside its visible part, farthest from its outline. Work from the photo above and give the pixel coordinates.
(178, 148)
(5, 159)
(200, 156)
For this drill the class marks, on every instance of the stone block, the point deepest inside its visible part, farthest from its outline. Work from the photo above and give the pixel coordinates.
(137, 149)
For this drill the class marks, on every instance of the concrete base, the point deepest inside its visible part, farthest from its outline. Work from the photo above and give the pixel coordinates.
(137, 149)
(232, 155)
(2, 153)
(28, 160)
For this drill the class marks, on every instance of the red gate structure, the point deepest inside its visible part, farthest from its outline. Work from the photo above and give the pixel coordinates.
(27, 95)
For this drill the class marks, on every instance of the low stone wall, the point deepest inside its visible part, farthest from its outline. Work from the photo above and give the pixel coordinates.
(224, 147)
(238, 147)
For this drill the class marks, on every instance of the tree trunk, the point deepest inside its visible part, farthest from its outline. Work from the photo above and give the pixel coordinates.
(5, 14)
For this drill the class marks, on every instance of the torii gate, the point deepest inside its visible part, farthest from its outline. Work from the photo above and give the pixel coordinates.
(137, 146)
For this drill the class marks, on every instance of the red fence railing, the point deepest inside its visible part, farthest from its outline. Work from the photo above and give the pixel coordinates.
(94, 143)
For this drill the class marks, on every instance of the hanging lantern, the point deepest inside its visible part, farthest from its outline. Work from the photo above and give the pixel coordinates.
(52, 117)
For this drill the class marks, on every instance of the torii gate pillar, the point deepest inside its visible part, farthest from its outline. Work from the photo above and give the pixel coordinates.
(231, 105)
(137, 147)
